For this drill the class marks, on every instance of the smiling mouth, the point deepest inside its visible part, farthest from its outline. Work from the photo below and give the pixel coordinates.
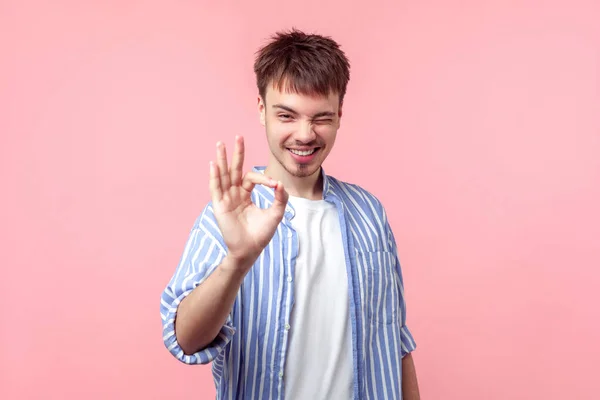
(303, 152)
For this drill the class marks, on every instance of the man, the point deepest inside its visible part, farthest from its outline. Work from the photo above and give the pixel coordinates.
(289, 282)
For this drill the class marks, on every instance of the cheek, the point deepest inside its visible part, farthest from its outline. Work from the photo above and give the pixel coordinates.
(278, 133)
(327, 133)
(281, 131)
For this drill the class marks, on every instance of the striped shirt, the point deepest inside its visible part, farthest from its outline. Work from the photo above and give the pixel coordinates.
(249, 354)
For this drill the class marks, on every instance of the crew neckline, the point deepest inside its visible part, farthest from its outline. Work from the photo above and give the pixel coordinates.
(320, 204)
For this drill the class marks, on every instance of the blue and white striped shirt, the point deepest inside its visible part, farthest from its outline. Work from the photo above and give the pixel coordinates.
(249, 353)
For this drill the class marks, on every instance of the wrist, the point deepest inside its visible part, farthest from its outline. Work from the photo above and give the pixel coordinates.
(235, 266)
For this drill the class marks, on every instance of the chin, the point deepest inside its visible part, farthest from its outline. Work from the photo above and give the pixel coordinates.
(296, 170)
(303, 171)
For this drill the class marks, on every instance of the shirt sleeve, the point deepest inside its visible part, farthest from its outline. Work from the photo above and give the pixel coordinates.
(203, 252)
(408, 343)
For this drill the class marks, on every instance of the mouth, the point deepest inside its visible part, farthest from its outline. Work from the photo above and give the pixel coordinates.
(304, 156)
(303, 153)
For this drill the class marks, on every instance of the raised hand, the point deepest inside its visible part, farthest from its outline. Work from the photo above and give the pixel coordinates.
(246, 229)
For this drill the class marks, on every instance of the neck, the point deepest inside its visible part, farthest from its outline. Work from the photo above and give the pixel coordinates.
(309, 187)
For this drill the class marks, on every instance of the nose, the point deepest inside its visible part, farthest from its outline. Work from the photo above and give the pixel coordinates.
(306, 133)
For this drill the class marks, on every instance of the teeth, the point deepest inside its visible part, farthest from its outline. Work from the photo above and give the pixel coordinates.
(303, 153)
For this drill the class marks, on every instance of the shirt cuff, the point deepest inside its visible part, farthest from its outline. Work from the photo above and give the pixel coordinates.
(204, 356)
(408, 343)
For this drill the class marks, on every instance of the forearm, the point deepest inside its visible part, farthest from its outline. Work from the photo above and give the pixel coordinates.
(203, 312)
(410, 386)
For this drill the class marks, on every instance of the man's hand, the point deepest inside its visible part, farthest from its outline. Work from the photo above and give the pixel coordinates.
(246, 229)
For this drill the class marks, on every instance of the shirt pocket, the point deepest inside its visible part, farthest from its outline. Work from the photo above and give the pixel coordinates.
(380, 292)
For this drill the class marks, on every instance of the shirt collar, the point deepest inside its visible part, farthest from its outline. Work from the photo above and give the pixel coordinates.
(269, 193)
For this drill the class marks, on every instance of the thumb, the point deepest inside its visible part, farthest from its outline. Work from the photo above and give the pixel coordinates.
(280, 202)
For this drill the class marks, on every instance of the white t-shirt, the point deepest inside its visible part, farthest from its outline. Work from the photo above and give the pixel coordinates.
(319, 357)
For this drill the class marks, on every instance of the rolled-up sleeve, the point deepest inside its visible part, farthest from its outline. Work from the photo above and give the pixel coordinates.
(203, 252)
(408, 343)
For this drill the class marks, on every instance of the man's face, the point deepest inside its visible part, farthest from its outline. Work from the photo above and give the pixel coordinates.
(301, 129)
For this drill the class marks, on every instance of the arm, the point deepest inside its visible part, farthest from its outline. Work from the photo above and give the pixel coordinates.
(204, 311)
(196, 306)
(198, 275)
(410, 386)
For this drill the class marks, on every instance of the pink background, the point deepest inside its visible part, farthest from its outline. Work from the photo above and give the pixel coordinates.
(478, 126)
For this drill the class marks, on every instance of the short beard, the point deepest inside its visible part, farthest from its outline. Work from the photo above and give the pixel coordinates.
(299, 171)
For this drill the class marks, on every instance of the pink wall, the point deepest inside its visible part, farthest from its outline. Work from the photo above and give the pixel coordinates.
(479, 129)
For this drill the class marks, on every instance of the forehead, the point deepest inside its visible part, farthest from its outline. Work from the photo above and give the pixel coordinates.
(302, 103)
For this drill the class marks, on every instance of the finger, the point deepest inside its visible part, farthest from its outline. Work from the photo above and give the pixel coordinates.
(223, 169)
(237, 162)
(214, 183)
(254, 178)
(281, 200)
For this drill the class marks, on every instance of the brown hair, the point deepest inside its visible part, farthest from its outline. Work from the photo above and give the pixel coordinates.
(308, 64)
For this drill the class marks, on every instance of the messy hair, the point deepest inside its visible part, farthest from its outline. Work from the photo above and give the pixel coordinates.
(297, 62)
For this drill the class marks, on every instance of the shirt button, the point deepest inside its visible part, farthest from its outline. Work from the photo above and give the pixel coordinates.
(290, 234)
(287, 327)
(280, 375)
(289, 279)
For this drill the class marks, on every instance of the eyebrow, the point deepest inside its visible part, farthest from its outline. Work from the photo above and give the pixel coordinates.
(292, 111)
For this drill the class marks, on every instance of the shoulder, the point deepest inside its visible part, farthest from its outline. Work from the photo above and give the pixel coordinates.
(368, 213)
(363, 204)
(206, 225)
(355, 196)
(206, 217)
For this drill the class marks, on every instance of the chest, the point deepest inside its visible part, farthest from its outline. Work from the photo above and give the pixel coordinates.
(313, 250)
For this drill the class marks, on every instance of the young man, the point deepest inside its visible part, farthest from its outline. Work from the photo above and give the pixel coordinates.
(289, 282)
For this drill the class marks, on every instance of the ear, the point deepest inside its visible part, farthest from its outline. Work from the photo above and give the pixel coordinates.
(340, 116)
(261, 110)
